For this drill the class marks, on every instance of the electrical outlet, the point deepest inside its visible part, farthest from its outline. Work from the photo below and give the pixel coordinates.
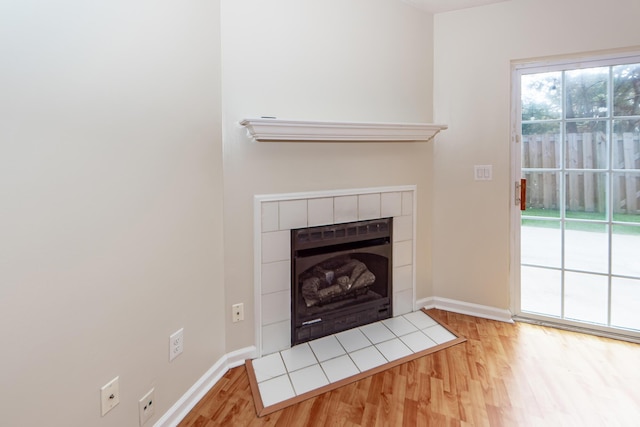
(146, 406)
(110, 395)
(176, 344)
(238, 312)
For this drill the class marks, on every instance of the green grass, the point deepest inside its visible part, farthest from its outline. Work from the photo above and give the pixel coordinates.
(588, 221)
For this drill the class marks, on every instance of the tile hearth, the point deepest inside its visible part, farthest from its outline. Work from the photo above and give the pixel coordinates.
(290, 373)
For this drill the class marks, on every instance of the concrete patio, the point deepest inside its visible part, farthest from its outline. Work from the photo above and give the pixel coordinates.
(586, 264)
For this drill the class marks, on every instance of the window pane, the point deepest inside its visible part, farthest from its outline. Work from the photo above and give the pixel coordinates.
(541, 291)
(625, 300)
(586, 93)
(586, 145)
(586, 195)
(626, 144)
(626, 90)
(624, 250)
(585, 297)
(626, 197)
(586, 250)
(541, 147)
(541, 96)
(540, 243)
(542, 194)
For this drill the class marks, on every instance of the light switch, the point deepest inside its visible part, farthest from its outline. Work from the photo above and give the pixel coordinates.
(483, 172)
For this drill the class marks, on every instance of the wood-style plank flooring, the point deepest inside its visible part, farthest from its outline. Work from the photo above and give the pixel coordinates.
(503, 375)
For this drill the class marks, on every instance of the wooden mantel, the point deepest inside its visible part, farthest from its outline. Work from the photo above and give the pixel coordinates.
(279, 130)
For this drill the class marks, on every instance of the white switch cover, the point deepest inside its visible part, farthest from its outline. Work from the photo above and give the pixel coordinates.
(110, 395)
(483, 172)
(176, 344)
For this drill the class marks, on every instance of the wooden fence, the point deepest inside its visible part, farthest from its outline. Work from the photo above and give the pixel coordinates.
(585, 190)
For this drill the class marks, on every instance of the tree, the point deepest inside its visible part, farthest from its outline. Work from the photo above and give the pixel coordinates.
(586, 97)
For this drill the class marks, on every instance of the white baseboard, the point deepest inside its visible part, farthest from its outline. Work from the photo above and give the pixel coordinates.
(426, 303)
(470, 309)
(181, 408)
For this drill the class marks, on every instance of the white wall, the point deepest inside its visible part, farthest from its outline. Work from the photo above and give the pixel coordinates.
(356, 60)
(111, 205)
(472, 64)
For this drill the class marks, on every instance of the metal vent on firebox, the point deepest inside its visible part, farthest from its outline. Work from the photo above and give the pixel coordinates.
(340, 233)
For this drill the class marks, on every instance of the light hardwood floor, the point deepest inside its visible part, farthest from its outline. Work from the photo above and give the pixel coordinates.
(503, 375)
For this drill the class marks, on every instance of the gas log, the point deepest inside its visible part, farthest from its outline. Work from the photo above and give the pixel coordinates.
(328, 283)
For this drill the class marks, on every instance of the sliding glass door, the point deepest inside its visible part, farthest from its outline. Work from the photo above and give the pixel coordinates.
(579, 149)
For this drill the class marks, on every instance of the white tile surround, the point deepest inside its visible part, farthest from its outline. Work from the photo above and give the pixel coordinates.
(276, 215)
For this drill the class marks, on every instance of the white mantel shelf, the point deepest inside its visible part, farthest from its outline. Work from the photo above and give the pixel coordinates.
(278, 130)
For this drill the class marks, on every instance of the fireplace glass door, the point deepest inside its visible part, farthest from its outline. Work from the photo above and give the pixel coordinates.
(341, 277)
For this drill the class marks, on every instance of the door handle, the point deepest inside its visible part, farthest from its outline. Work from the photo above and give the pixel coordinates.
(520, 194)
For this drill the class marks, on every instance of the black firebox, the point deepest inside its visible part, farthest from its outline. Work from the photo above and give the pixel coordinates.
(341, 277)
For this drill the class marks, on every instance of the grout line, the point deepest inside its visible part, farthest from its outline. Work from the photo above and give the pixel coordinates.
(380, 351)
(340, 343)
(325, 372)
(349, 352)
(292, 387)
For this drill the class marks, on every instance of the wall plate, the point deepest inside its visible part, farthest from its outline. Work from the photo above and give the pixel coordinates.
(176, 344)
(146, 406)
(110, 395)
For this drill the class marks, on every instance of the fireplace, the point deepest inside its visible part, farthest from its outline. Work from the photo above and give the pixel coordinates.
(276, 215)
(341, 277)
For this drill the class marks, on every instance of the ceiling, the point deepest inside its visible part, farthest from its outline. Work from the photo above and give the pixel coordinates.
(438, 6)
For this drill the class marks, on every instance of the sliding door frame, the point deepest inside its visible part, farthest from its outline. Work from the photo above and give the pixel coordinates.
(519, 68)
